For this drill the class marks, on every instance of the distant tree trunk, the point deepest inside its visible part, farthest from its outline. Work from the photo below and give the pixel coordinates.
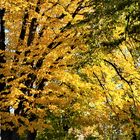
(31, 135)
(33, 25)
(24, 26)
(134, 135)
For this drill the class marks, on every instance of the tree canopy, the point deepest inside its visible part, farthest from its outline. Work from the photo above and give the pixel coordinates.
(69, 67)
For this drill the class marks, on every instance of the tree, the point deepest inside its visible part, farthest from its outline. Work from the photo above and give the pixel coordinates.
(111, 65)
(40, 44)
(78, 68)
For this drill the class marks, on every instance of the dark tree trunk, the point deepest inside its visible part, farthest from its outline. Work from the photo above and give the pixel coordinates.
(5, 134)
(2, 38)
(32, 30)
(134, 135)
(24, 26)
(33, 26)
(31, 136)
(9, 135)
(2, 32)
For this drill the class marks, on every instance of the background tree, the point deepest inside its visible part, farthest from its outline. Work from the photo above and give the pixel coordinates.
(111, 65)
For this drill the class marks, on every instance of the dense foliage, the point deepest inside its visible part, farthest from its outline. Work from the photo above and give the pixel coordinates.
(69, 68)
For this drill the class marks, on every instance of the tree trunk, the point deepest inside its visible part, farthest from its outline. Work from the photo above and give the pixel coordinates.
(31, 135)
(9, 135)
(134, 135)
(2, 30)
(5, 134)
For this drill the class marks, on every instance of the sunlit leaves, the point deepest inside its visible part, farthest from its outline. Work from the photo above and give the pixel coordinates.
(72, 62)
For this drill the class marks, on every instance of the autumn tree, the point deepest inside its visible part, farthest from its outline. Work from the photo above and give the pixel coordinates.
(111, 66)
(41, 40)
(68, 65)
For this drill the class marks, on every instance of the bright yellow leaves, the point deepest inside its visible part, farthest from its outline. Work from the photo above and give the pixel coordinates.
(116, 89)
(52, 75)
(64, 3)
(118, 31)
